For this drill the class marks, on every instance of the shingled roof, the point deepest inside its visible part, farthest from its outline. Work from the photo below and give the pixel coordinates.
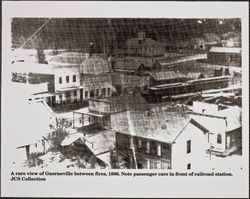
(94, 65)
(163, 125)
(132, 63)
(68, 58)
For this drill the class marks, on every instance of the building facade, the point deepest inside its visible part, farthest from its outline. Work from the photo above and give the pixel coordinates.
(225, 56)
(79, 77)
(144, 47)
(226, 135)
(166, 148)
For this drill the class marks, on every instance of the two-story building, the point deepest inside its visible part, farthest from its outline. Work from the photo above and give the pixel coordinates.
(125, 83)
(96, 80)
(162, 140)
(144, 47)
(230, 56)
(79, 77)
(66, 67)
(101, 111)
(226, 135)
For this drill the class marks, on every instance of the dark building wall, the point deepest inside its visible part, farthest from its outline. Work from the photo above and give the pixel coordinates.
(234, 139)
(165, 148)
(35, 78)
(154, 82)
(233, 59)
(123, 145)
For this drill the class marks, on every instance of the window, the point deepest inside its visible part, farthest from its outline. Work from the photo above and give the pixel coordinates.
(103, 91)
(155, 165)
(151, 164)
(147, 147)
(97, 92)
(159, 149)
(148, 164)
(60, 80)
(67, 94)
(158, 165)
(91, 94)
(81, 94)
(86, 94)
(67, 79)
(219, 139)
(189, 166)
(189, 146)
(139, 144)
(75, 93)
(74, 78)
(108, 91)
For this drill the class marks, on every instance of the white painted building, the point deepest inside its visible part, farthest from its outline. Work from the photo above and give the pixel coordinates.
(79, 77)
(220, 121)
(190, 147)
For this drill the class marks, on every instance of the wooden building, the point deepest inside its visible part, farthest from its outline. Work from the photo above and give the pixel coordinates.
(226, 135)
(163, 140)
(230, 56)
(79, 77)
(144, 47)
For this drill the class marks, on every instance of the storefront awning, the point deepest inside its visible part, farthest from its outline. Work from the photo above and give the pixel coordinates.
(84, 112)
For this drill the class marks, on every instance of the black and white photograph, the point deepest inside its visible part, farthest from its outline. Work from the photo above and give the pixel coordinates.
(119, 96)
(128, 93)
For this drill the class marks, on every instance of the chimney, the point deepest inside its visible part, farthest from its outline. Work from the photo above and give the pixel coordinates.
(41, 56)
(141, 36)
(91, 49)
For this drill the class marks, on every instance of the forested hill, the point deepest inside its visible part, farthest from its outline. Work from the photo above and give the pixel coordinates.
(77, 33)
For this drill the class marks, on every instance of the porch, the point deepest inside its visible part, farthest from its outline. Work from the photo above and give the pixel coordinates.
(90, 122)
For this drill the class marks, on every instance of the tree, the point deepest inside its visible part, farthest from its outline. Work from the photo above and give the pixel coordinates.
(58, 134)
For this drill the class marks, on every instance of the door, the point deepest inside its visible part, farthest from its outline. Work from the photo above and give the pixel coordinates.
(81, 95)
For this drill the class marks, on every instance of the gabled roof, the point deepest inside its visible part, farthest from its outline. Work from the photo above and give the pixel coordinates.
(125, 102)
(214, 125)
(68, 58)
(230, 116)
(233, 117)
(198, 125)
(94, 65)
(163, 126)
(171, 74)
(166, 75)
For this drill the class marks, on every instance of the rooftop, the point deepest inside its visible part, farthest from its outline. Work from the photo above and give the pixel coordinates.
(29, 67)
(228, 118)
(225, 50)
(166, 75)
(94, 65)
(163, 125)
(132, 63)
(68, 58)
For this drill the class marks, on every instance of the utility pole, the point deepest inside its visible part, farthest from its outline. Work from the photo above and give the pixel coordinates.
(132, 132)
(103, 40)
